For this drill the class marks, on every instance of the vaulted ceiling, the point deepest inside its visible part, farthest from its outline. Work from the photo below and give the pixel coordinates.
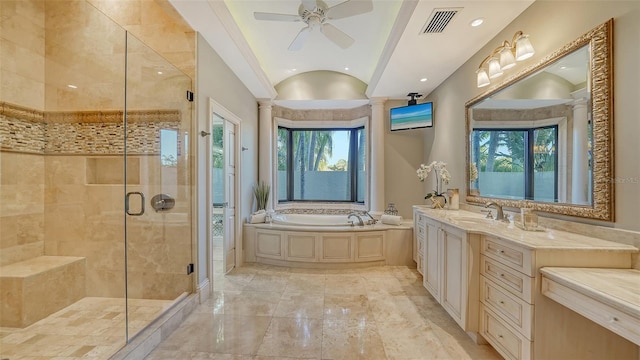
(390, 53)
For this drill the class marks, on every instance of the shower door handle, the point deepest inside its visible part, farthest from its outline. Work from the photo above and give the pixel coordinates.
(126, 203)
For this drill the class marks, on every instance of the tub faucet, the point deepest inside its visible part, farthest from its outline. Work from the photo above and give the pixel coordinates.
(371, 220)
(499, 212)
(360, 222)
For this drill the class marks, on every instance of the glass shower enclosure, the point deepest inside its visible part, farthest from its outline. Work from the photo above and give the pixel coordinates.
(95, 182)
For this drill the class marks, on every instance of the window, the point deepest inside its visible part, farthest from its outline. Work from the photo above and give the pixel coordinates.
(518, 163)
(321, 164)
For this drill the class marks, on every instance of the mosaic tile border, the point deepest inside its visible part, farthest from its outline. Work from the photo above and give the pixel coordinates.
(320, 211)
(84, 132)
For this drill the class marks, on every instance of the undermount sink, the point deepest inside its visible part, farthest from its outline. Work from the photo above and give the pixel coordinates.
(474, 220)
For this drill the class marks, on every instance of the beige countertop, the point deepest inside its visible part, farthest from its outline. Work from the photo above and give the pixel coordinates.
(618, 288)
(548, 239)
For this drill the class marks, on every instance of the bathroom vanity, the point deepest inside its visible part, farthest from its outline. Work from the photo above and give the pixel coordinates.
(487, 275)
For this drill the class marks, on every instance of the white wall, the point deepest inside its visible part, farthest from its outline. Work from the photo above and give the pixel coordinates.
(403, 154)
(216, 80)
(551, 25)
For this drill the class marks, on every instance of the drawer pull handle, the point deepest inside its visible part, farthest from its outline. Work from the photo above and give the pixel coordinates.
(501, 302)
(501, 275)
(500, 336)
(614, 318)
(500, 251)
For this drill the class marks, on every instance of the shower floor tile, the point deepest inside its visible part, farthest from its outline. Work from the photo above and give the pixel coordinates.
(90, 328)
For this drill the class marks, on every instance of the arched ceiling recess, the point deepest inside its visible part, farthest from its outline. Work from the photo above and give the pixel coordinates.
(321, 89)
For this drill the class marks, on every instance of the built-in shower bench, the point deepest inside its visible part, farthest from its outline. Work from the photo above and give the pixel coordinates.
(33, 289)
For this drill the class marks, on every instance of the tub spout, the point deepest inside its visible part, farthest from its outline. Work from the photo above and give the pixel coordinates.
(360, 222)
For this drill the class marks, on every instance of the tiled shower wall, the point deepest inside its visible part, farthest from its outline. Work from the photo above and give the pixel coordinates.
(61, 160)
(53, 202)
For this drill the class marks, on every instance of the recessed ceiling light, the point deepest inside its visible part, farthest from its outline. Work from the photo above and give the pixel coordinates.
(562, 67)
(72, 86)
(423, 79)
(294, 69)
(346, 68)
(477, 22)
(160, 73)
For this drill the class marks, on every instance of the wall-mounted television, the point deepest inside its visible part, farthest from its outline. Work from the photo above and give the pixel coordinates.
(412, 117)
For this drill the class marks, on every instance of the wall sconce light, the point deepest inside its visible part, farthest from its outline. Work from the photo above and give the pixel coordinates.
(504, 57)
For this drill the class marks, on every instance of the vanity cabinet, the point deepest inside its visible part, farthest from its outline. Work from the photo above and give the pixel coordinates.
(486, 275)
(506, 293)
(448, 269)
(419, 221)
(519, 322)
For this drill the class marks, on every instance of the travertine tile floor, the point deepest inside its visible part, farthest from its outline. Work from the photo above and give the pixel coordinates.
(268, 312)
(91, 328)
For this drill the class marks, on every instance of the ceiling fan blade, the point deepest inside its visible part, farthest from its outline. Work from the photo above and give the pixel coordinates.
(276, 17)
(336, 35)
(300, 39)
(349, 8)
(309, 4)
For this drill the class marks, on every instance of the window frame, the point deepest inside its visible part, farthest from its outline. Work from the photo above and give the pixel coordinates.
(529, 155)
(302, 125)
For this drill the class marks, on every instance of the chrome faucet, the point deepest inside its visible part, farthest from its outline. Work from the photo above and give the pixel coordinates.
(499, 212)
(371, 220)
(360, 222)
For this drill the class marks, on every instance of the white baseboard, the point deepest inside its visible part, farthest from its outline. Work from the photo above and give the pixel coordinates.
(204, 290)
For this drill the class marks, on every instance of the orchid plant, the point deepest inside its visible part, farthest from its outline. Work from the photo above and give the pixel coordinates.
(442, 176)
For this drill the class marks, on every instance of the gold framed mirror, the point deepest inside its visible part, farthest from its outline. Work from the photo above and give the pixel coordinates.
(543, 139)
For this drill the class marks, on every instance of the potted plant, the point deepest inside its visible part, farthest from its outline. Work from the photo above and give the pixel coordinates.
(261, 192)
(442, 177)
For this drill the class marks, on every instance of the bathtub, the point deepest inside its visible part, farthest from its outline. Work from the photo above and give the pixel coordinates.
(326, 241)
(310, 220)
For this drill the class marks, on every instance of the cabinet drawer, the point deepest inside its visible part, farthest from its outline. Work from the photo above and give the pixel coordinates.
(515, 311)
(515, 282)
(506, 340)
(513, 256)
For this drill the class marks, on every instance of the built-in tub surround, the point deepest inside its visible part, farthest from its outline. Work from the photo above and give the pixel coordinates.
(328, 246)
(296, 237)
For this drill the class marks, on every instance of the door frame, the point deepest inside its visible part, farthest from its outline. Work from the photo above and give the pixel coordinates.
(215, 107)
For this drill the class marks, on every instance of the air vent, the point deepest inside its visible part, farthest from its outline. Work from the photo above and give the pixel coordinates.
(439, 20)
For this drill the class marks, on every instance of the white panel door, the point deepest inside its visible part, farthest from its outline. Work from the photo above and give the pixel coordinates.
(229, 196)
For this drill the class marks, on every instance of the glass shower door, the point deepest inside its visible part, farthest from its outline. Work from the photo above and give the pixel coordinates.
(158, 190)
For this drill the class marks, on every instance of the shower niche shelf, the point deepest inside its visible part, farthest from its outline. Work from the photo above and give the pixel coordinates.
(109, 171)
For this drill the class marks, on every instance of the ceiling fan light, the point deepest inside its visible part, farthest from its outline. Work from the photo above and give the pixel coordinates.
(507, 61)
(483, 78)
(524, 49)
(494, 68)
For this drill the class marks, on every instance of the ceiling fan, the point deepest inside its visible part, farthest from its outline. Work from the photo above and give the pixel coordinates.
(316, 14)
